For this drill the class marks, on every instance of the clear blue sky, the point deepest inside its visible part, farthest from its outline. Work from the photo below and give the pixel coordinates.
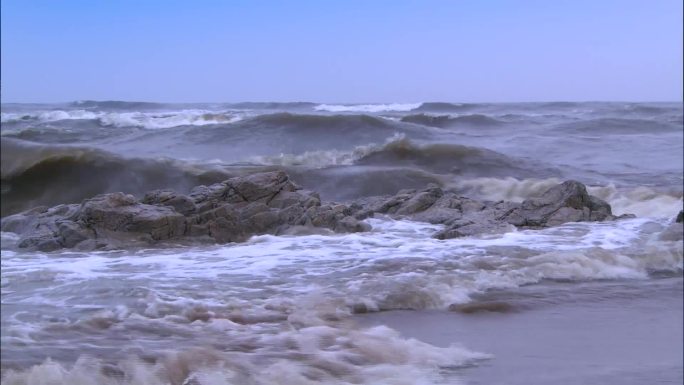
(341, 51)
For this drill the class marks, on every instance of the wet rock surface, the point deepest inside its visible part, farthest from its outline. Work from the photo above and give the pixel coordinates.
(230, 211)
(566, 202)
(270, 203)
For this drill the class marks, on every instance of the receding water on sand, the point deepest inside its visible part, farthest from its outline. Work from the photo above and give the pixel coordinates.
(599, 333)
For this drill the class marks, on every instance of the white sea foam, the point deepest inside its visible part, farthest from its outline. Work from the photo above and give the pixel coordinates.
(148, 120)
(641, 201)
(326, 158)
(48, 116)
(390, 242)
(280, 303)
(398, 107)
(310, 355)
(168, 120)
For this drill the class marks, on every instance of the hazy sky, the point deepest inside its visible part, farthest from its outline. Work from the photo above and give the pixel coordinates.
(341, 51)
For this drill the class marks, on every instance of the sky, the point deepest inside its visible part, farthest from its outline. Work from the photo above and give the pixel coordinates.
(341, 51)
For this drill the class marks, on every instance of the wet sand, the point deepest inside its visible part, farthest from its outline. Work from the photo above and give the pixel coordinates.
(615, 338)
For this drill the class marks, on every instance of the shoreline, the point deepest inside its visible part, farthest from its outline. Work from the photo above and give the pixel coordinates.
(620, 339)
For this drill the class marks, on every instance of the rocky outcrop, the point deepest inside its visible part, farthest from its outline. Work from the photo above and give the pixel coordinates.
(270, 203)
(680, 217)
(231, 211)
(566, 202)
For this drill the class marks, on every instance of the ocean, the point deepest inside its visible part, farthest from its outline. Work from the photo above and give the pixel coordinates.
(580, 303)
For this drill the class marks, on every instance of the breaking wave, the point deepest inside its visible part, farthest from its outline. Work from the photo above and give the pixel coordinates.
(446, 107)
(147, 120)
(640, 201)
(400, 151)
(453, 159)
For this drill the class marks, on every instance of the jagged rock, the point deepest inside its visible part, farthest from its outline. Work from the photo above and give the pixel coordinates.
(230, 211)
(466, 227)
(118, 212)
(181, 203)
(261, 186)
(566, 202)
(420, 201)
(680, 217)
(269, 203)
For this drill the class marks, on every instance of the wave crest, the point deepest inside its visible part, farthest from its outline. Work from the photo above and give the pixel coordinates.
(70, 174)
(446, 120)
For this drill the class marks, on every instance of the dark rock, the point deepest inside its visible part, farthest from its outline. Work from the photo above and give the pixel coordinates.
(350, 224)
(625, 216)
(181, 203)
(269, 203)
(230, 211)
(261, 186)
(680, 217)
(420, 201)
(566, 202)
(118, 212)
(465, 227)
(72, 234)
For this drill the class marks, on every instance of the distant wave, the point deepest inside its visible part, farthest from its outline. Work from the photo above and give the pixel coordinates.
(399, 151)
(35, 175)
(401, 107)
(290, 133)
(446, 107)
(618, 126)
(68, 174)
(271, 105)
(453, 159)
(47, 116)
(651, 108)
(116, 105)
(206, 135)
(305, 121)
(148, 120)
(446, 120)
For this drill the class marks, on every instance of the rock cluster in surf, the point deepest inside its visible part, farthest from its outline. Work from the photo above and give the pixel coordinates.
(230, 211)
(565, 202)
(270, 203)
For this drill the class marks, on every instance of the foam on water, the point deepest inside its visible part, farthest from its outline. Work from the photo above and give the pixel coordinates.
(48, 116)
(279, 307)
(376, 355)
(147, 120)
(610, 246)
(168, 120)
(321, 159)
(641, 201)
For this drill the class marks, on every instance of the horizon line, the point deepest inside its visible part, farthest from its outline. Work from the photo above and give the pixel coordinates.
(344, 103)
